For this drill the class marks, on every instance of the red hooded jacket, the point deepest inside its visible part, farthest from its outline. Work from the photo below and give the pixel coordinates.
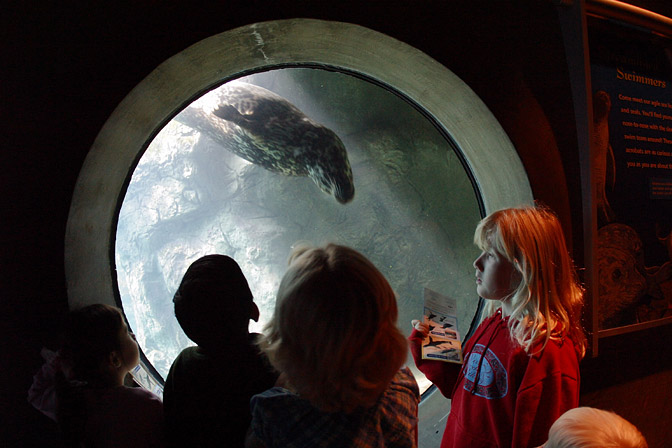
(503, 397)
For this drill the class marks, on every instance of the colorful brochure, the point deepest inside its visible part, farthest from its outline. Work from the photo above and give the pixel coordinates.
(443, 340)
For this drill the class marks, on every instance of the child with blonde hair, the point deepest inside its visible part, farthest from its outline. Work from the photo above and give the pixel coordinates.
(587, 427)
(521, 366)
(334, 339)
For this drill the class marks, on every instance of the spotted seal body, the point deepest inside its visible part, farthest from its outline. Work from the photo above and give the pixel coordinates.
(269, 131)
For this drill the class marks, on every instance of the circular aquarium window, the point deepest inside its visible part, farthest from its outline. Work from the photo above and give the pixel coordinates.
(407, 161)
(295, 154)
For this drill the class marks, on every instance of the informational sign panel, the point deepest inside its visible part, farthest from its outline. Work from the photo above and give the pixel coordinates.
(631, 163)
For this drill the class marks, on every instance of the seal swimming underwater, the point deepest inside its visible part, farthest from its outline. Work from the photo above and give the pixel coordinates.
(267, 130)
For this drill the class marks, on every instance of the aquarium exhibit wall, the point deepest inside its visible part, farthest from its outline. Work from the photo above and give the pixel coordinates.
(158, 189)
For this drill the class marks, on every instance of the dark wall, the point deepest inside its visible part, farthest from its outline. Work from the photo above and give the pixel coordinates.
(65, 69)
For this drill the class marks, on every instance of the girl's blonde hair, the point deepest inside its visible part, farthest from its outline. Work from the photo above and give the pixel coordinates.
(333, 333)
(548, 300)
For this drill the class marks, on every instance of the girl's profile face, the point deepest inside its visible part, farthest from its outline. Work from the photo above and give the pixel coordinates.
(128, 347)
(496, 277)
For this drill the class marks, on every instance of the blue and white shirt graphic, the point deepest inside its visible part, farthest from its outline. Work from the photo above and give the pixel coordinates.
(493, 379)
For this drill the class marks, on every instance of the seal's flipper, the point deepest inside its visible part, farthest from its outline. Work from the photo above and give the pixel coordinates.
(229, 113)
(248, 122)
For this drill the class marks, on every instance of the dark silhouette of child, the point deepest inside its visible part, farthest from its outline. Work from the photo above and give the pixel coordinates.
(93, 405)
(208, 389)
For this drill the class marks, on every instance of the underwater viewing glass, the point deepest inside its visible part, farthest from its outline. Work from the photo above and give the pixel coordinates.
(413, 211)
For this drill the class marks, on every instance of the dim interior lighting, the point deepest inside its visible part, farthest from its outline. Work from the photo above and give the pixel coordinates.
(497, 176)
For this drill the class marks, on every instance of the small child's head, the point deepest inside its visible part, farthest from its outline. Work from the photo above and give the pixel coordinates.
(97, 344)
(333, 333)
(587, 427)
(213, 303)
(548, 294)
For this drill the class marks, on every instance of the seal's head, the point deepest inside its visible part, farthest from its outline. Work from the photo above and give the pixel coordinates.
(330, 168)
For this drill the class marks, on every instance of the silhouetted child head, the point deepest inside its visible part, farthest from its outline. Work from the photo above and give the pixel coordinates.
(213, 303)
(93, 407)
(333, 333)
(98, 346)
(587, 427)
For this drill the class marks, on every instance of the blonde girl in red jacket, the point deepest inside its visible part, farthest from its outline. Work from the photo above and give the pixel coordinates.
(521, 366)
